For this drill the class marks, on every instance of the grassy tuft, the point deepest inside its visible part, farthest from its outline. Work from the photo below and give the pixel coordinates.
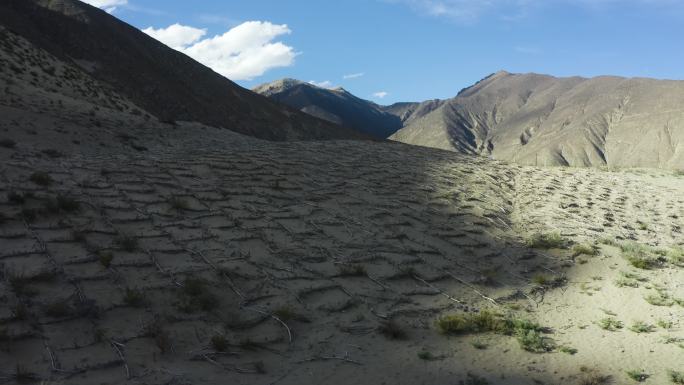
(676, 377)
(659, 299)
(641, 327)
(546, 241)
(196, 296)
(528, 334)
(637, 375)
(610, 324)
(585, 249)
(641, 256)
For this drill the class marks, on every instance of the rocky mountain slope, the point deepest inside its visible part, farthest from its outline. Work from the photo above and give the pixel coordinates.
(335, 105)
(541, 120)
(156, 78)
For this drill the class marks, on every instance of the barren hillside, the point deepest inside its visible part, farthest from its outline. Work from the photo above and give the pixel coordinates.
(541, 120)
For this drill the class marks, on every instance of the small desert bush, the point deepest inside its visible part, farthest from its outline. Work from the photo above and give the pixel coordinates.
(593, 377)
(534, 341)
(67, 203)
(568, 350)
(52, 153)
(105, 258)
(7, 143)
(134, 297)
(392, 330)
(676, 377)
(528, 334)
(196, 295)
(159, 334)
(479, 345)
(676, 256)
(628, 279)
(659, 299)
(547, 281)
(41, 178)
(472, 379)
(15, 197)
(546, 241)
(641, 256)
(287, 313)
(425, 355)
(58, 309)
(641, 327)
(352, 270)
(219, 342)
(610, 324)
(127, 242)
(585, 249)
(22, 375)
(637, 375)
(178, 203)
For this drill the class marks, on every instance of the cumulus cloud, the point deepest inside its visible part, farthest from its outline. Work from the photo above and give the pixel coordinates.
(353, 76)
(107, 5)
(380, 94)
(242, 53)
(176, 36)
(324, 84)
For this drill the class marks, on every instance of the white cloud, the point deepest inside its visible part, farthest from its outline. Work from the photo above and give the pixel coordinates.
(176, 36)
(468, 11)
(242, 53)
(381, 94)
(353, 76)
(324, 84)
(107, 5)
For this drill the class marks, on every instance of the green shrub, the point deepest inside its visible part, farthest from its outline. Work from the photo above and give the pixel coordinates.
(637, 375)
(641, 256)
(610, 324)
(641, 327)
(659, 299)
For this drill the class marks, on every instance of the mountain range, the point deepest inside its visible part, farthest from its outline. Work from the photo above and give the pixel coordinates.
(524, 118)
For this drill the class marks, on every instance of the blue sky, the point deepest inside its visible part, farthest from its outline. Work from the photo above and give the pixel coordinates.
(412, 50)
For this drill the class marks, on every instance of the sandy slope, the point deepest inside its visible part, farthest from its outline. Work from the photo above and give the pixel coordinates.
(332, 239)
(291, 257)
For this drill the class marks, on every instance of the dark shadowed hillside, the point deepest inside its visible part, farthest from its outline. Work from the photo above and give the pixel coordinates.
(160, 80)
